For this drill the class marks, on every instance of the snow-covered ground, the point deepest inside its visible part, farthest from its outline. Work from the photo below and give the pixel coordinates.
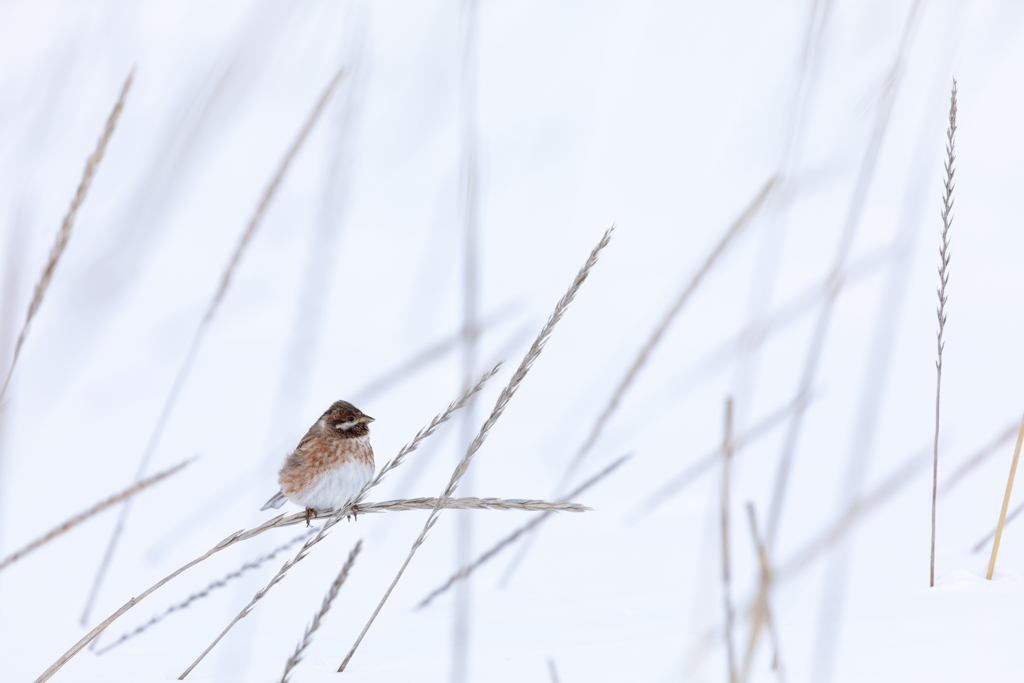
(663, 118)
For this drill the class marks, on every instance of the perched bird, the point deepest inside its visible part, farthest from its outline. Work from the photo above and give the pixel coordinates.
(331, 464)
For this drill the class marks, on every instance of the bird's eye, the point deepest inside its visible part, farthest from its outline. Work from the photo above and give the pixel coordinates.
(351, 419)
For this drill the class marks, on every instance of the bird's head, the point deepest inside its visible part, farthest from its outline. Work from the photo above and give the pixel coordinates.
(346, 420)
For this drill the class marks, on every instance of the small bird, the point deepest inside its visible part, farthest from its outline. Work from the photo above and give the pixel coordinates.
(331, 464)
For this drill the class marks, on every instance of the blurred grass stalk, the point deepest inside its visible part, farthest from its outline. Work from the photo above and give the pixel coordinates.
(64, 234)
(91, 512)
(730, 648)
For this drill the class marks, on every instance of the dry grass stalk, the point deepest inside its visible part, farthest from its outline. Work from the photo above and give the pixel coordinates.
(947, 221)
(988, 537)
(197, 339)
(819, 334)
(508, 540)
(278, 577)
(762, 610)
(94, 510)
(237, 537)
(813, 549)
(470, 504)
(307, 637)
(499, 407)
(979, 457)
(64, 234)
(761, 328)
(553, 671)
(390, 506)
(438, 420)
(726, 591)
(652, 342)
(1006, 502)
(853, 513)
(679, 482)
(219, 583)
(429, 354)
(470, 181)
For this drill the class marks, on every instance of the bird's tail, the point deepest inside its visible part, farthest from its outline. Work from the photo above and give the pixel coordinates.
(277, 501)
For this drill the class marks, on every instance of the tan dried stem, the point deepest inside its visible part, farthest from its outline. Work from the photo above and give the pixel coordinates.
(64, 234)
(499, 407)
(940, 311)
(508, 540)
(325, 606)
(197, 339)
(91, 512)
(1006, 502)
(762, 610)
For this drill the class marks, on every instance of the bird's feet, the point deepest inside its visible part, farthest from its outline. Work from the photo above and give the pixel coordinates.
(310, 514)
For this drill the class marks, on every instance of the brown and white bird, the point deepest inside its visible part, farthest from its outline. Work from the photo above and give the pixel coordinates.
(331, 464)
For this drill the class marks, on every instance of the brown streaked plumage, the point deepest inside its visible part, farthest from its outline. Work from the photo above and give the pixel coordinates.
(331, 464)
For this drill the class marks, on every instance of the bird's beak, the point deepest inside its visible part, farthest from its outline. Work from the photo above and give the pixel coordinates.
(366, 419)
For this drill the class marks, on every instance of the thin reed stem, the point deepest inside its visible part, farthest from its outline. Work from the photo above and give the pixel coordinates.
(499, 407)
(219, 583)
(91, 512)
(678, 483)
(1006, 502)
(806, 555)
(726, 589)
(982, 454)
(278, 577)
(851, 225)
(990, 535)
(465, 571)
(64, 234)
(325, 606)
(762, 610)
(652, 342)
(204, 324)
(470, 181)
(552, 671)
(427, 431)
(940, 311)
(813, 549)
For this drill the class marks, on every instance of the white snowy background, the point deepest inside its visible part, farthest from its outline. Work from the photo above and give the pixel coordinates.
(663, 118)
